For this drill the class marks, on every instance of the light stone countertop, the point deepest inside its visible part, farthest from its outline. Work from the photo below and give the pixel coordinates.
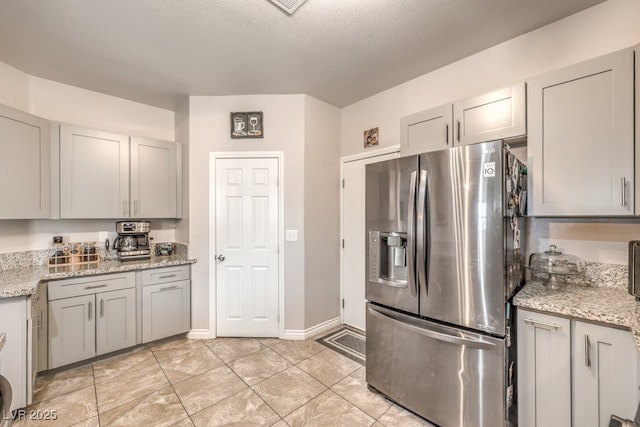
(611, 306)
(24, 281)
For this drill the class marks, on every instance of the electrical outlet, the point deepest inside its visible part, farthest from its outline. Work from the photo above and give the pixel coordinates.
(291, 236)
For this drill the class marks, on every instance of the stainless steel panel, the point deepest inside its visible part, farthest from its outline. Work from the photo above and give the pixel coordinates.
(466, 235)
(451, 377)
(390, 193)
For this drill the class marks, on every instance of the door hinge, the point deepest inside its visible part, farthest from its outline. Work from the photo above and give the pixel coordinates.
(343, 183)
(342, 302)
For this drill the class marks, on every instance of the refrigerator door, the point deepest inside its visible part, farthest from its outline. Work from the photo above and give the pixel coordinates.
(464, 224)
(390, 223)
(451, 377)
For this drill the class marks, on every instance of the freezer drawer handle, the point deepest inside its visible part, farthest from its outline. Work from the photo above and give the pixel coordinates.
(543, 325)
(479, 344)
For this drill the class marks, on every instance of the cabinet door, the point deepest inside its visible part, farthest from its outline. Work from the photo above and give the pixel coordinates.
(13, 357)
(544, 370)
(94, 174)
(166, 310)
(25, 151)
(427, 130)
(604, 375)
(72, 328)
(115, 320)
(581, 139)
(496, 115)
(153, 178)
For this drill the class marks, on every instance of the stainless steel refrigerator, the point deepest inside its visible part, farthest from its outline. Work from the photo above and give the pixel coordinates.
(444, 257)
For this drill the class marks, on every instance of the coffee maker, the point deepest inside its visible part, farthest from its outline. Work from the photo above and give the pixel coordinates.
(133, 240)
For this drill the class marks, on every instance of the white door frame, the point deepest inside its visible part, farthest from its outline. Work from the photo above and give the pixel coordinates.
(213, 156)
(343, 160)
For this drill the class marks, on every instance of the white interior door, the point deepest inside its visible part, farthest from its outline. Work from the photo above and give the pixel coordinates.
(353, 235)
(247, 247)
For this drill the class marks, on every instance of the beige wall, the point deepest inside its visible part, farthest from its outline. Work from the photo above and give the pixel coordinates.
(605, 28)
(209, 132)
(321, 212)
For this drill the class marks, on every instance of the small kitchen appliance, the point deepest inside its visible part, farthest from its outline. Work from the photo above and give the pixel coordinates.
(634, 268)
(133, 240)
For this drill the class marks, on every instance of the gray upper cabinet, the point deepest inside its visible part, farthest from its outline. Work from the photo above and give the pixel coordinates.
(498, 114)
(495, 115)
(428, 130)
(581, 139)
(106, 175)
(94, 174)
(25, 153)
(154, 178)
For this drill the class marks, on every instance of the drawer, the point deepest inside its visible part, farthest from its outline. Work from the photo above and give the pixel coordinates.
(90, 285)
(165, 274)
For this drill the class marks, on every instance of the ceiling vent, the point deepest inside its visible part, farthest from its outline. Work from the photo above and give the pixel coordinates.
(288, 6)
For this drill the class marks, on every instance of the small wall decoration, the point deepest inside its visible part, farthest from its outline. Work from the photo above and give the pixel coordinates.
(247, 125)
(370, 137)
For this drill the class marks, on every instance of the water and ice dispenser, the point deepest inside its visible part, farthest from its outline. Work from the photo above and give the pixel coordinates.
(388, 258)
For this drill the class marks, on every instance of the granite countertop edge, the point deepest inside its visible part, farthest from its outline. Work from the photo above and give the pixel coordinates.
(24, 281)
(609, 306)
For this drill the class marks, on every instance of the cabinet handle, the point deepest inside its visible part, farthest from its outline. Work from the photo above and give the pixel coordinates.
(95, 286)
(624, 191)
(168, 288)
(167, 276)
(587, 351)
(458, 124)
(446, 133)
(543, 325)
(101, 308)
(90, 309)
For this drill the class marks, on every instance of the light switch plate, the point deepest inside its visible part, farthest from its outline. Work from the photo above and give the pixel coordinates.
(291, 236)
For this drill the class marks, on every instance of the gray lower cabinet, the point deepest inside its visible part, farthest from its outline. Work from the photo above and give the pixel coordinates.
(574, 373)
(544, 370)
(91, 316)
(166, 302)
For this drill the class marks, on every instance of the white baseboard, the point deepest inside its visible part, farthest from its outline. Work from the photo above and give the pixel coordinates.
(200, 334)
(291, 334)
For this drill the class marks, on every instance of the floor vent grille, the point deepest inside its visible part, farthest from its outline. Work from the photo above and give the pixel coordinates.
(288, 6)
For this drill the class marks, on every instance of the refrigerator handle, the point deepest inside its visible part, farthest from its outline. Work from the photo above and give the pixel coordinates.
(440, 336)
(421, 236)
(411, 241)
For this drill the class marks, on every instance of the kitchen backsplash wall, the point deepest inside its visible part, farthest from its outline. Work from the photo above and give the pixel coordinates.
(28, 235)
(600, 240)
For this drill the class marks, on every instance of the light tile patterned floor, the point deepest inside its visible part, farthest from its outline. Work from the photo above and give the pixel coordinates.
(225, 381)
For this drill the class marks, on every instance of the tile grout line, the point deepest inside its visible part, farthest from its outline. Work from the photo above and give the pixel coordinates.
(171, 385)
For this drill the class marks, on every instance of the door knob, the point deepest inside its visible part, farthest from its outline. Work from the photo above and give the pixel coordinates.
(220, 258)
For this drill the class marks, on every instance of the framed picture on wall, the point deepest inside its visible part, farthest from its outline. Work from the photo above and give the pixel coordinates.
(247, 125)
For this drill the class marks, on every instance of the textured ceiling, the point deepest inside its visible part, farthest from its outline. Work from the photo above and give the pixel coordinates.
(159, 51)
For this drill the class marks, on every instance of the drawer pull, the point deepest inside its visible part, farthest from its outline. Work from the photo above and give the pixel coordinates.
(169, 288)
(95, 286)
(543, 325)
(587, 351)
(168, 276)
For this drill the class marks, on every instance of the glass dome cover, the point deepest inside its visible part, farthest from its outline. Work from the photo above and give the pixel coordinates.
(553, 262)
